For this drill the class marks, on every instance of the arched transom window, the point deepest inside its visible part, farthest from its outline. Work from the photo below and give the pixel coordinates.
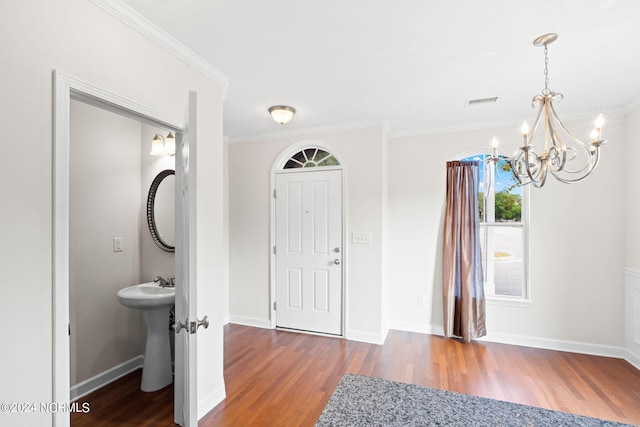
(311, 158)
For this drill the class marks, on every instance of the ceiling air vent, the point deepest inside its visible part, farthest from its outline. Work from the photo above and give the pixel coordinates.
(480, 101)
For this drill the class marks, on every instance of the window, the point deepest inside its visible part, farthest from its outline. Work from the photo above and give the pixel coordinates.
(310, 158)
(501, 204)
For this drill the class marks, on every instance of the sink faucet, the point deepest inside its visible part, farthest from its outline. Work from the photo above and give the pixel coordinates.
(165, 283)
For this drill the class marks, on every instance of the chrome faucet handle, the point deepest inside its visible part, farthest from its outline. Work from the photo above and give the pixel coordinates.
(164, 283)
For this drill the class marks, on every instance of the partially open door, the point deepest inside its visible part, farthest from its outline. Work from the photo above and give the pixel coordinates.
(185, 402)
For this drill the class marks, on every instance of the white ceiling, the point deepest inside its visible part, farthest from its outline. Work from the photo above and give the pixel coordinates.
(411, 63)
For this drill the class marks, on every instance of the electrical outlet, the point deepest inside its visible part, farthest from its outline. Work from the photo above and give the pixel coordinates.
(118, 245)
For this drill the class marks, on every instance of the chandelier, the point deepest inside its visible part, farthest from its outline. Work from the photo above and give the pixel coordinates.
(567, 158)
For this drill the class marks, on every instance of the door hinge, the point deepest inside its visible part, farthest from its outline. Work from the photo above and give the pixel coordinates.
(274, 194)
(69, 329)
(274, 306)
(274, 250)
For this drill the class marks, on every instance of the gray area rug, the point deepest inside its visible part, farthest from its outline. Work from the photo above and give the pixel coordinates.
(366, 401)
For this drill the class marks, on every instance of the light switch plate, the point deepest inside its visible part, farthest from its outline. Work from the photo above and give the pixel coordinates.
(118, 244)
(361, 238)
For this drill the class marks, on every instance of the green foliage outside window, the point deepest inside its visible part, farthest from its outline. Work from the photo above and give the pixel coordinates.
(508, 206)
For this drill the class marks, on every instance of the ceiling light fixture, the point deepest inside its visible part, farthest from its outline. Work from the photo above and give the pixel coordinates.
(530, 167)
(281, 113)
(161, 146)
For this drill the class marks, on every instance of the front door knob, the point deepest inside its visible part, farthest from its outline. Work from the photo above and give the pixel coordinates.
(336, 261)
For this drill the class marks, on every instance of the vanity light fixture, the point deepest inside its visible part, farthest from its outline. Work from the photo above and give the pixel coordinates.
(561, 151)
(161, 146)
(282, 113)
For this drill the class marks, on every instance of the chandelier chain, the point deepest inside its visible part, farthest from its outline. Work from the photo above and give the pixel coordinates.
(546, 72)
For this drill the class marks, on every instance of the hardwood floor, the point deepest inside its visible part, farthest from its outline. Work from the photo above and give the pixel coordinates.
(276, 378)
(121, 403)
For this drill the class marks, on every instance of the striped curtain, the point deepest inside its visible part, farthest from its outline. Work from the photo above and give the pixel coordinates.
(462, 283)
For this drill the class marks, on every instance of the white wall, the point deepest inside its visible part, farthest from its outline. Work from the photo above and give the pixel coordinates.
(250, 166)
(386, 284)
(632, 190)
(103, 204)
(576, 239)
(632, 240)
(82, 40)
(225, 295)
(576, 244)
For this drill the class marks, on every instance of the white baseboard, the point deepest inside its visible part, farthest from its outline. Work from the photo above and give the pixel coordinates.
(367, 337)
(527, 341)
(420, 328)
(632, 358)
(350, 335)
(558, 345)
(102, 379)
(520, 340)
(632, 316)
(250, 321)
(207, 403)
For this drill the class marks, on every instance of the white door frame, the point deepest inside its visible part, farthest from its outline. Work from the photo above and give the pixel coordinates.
(66, 88)
(277, 168)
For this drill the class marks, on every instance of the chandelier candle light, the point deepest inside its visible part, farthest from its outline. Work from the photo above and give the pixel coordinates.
(530, 167)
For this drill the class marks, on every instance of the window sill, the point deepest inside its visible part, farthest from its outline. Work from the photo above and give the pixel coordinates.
(508, 301)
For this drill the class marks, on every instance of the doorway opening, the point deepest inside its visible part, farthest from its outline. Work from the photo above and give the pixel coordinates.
(66, 90)
(111, 175)
(308, 260)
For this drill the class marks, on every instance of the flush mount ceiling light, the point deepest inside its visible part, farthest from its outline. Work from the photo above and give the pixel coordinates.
(161, 146)
(281, 113)
(561, 150)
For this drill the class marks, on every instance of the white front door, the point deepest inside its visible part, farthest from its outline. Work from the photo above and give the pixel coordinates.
(308, 252)
(185, 400)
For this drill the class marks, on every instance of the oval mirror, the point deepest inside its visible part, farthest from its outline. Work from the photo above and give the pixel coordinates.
(161, 210)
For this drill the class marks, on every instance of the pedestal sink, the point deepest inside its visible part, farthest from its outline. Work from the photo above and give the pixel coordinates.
(155, 303)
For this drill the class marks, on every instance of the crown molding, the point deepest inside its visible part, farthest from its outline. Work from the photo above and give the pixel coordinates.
(411, 132)
(408, 132)
(142, 25)
(631, 107)
(294, 133)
